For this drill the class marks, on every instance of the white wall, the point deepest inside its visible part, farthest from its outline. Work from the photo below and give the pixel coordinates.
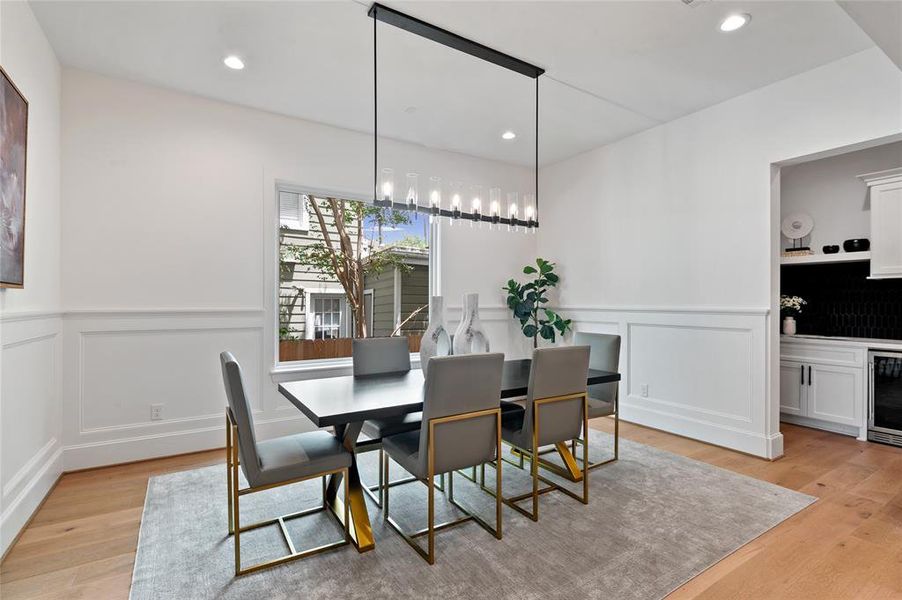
(30, 437)
(829, 190)
(169, 256)
(669, 238)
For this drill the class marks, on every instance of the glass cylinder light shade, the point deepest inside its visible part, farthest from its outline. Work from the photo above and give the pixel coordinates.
(512, 209)
(435, 194)
(495, 204)
(387, 185)
(455, 199)
(476, 201)
(529, 205)
(412, 194)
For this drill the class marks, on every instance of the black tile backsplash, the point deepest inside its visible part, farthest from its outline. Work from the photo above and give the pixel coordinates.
(842, 301)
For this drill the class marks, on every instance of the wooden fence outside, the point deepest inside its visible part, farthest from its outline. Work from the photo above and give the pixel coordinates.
(292, 350)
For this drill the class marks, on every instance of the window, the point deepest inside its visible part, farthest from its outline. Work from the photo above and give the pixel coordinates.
(318, 316)
(293, 211)
(328, 317)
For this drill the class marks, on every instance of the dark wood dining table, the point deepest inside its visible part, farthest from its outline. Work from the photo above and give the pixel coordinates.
(344, 403)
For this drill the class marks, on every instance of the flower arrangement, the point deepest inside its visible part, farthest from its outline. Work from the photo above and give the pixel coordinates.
(791, 306)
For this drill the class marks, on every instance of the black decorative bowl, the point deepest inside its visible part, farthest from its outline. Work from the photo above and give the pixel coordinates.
(857, 245)
(831, 249)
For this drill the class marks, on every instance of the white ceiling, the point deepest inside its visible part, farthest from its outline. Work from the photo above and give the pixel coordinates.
(613, 68)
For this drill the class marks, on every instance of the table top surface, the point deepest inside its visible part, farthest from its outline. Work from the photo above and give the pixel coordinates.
(349, 399)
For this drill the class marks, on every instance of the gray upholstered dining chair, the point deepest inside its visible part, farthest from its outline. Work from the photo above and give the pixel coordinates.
(381, 356)
(554, 413)
(274, 463)
(461, 428)
(603, 398)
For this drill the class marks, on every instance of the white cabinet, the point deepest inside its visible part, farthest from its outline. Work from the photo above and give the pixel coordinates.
(834, 393)
(823, 385)
(885, 191)
(791, 383)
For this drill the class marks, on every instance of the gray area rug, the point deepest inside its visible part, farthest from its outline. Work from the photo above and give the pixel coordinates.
(654, 521)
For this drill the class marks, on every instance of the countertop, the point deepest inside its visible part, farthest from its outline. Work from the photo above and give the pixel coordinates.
(871, 343)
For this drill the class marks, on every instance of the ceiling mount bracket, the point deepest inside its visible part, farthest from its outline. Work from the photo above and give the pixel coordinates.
(452, 40)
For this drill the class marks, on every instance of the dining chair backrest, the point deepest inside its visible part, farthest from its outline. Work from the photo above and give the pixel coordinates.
(558, 371)
(604, 356)
(373, 356)
(456, 385)
(241, 412)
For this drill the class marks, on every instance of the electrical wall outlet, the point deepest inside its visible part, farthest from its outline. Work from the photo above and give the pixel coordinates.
(156, 412)
(644, 390)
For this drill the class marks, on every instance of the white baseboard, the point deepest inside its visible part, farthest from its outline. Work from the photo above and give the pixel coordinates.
(769, 447)
(124, 450)
(20, 509)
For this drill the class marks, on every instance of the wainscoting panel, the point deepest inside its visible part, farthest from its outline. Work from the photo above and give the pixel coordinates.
(119, 364)
(178, 368)
(31, 453)
(698, 372)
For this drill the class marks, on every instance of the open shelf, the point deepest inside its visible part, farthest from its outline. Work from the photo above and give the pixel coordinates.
(817, 259)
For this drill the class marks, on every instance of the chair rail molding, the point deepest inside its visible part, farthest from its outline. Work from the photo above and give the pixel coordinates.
(697, 371)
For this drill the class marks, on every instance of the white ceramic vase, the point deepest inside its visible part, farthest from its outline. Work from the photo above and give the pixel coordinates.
(789, 325)
(436, 341)
(470, 337)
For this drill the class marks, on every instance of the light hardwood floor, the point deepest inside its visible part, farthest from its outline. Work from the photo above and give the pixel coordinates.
(81, 543)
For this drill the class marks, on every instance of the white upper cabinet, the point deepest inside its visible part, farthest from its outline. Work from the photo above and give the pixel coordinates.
(885, 189)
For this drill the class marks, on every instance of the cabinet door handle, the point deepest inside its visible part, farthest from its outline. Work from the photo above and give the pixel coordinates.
(809, 375)
(802, 368)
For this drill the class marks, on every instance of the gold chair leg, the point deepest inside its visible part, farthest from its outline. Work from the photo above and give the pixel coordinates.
(430, 484)
(385, 461)
(585, 472)
(382, 479)
(535, 482)
(616, 456)
(377, 492)
(498, 476)
(236, 515)
(229, 471)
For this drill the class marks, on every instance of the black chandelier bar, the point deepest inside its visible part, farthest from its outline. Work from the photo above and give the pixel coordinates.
(435, 211)
(390, 16)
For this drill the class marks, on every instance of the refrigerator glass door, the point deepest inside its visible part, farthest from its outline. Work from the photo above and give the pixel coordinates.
(887, 391)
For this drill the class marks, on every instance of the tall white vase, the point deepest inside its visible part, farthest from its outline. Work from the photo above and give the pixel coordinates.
(436, 341)
(470, 337)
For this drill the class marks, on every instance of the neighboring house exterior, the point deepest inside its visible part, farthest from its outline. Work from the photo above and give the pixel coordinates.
(311, 305)
(398, 292)
(314, 306)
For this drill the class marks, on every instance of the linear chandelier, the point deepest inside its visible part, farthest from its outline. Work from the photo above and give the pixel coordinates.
(383, 181)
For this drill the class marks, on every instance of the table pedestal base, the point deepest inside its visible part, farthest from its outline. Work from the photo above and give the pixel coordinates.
(360, 528)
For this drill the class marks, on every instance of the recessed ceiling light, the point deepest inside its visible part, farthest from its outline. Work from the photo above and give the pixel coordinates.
(734, 22)
(233, 62)
(508, 135)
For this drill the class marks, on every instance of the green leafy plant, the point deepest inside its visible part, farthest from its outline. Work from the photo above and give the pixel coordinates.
(527, 302)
